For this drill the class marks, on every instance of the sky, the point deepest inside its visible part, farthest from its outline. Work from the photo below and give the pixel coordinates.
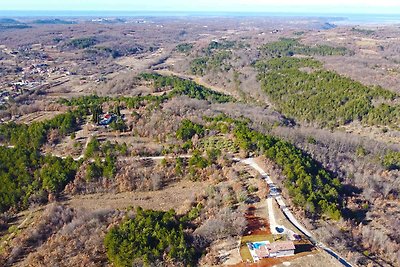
(309, 6)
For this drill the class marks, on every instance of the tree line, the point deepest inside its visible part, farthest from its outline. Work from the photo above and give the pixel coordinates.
(35, 135)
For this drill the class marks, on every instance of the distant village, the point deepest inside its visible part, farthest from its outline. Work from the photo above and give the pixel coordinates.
(27, 76)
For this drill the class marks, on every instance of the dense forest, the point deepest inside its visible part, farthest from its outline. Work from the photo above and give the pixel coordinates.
(33, 136)
(81, 43)
(289, 47)
(27, 178)
(293, 83)
(149, 237)
(186, 87)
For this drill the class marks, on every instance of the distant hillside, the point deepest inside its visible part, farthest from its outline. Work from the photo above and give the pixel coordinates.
(53, 21)
(7, 23)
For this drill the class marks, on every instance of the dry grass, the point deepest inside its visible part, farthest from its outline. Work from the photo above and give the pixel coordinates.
(172, 197)
(309, 259)
(141, 63)
(366, 42)
(372, 132)
(38, 116)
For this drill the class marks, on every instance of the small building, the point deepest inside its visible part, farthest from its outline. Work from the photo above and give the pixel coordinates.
(281, 249)
(107, 119)
(265, 249)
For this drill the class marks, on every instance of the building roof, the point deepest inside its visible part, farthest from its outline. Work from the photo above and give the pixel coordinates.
(262, 252)
(280, 246)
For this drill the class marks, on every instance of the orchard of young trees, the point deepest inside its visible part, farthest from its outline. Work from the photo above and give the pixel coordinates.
(309, 184)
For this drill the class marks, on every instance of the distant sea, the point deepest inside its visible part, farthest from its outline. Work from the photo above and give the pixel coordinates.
(333, 18)
(352, 19)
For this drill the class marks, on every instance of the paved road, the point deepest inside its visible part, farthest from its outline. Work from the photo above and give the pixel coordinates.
(157, 157)
(278, 197)
(289, 215)
(120, 158)
(271, 217)
(255, 166)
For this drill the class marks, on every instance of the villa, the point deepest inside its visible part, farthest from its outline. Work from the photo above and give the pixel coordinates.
(265, 249)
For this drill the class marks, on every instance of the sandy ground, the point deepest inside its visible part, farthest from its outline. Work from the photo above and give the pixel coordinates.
(312, 260)
(228, 249)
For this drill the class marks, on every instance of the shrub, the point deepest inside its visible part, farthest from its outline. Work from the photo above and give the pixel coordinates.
(188, 129)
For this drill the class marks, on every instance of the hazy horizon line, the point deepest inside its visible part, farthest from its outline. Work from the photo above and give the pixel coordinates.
(199, 11)
(204, 12)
